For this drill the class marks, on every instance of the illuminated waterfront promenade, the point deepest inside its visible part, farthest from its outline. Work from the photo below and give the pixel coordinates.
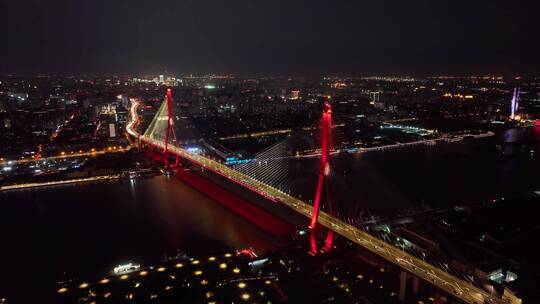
(64, 155)
(60, 183)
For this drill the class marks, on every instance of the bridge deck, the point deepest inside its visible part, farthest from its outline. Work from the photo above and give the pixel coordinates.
(434, 275)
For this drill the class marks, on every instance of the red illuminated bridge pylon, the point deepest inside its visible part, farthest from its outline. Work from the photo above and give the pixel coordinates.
(169, 132)
(322, 182)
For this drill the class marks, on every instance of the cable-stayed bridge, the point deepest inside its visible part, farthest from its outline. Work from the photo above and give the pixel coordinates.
(160, 136)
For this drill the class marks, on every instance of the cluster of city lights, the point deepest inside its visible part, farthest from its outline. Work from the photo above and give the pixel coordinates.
(132, 274)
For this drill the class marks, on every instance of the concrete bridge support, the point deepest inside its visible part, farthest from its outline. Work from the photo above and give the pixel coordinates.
(402, 286)
(403, 276)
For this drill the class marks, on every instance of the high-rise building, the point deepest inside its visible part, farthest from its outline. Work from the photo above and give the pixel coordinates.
(125, 101)
(121, 117)
(295, 95)
(112, 130)
(374, 97)
(7, 123)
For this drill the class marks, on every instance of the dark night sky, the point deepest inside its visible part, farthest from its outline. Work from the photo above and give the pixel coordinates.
(270, 37)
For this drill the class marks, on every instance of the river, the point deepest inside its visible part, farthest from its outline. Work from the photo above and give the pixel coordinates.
(86, 229)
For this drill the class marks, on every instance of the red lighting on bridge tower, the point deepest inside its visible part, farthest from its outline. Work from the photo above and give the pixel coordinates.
(322, 182)
(169, 111)
(170, 131)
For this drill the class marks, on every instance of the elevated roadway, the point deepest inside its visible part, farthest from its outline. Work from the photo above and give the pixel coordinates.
(457, 287)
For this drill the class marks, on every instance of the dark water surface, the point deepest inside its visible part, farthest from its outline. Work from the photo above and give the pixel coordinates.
(87, 229)
(388, 182)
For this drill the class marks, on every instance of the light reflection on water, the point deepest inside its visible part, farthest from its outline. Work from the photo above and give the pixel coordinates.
(87, 229)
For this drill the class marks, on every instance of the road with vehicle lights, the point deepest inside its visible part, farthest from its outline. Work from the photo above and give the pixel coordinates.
(434, 275)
